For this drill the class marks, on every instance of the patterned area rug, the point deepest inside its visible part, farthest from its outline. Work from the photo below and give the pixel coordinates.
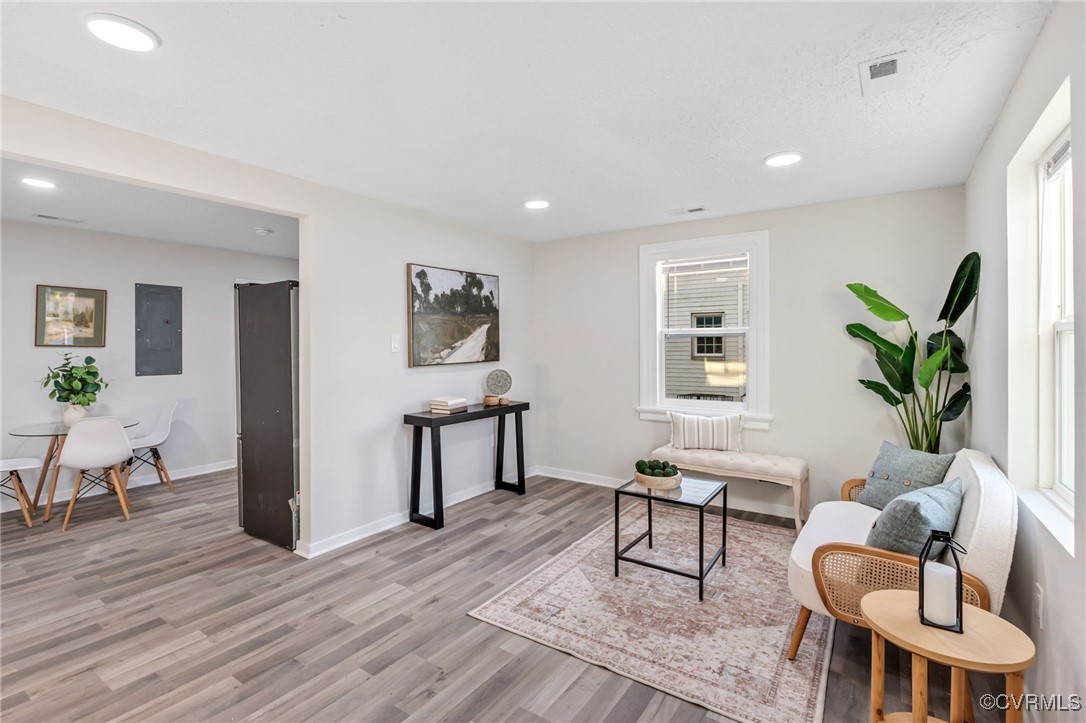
(727, 653)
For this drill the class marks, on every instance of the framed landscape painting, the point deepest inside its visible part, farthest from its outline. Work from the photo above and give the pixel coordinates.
(452, 316)
(68, 316)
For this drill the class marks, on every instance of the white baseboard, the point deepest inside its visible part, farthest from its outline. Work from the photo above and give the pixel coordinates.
(140, 479)
(310, 550)
(734, 501)
(589, 479)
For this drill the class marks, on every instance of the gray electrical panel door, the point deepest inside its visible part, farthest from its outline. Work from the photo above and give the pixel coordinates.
(158, 330)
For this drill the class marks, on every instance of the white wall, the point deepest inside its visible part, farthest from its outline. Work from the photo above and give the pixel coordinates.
(203, 435)
(905, 245)
(353, 251)
(1039, 557)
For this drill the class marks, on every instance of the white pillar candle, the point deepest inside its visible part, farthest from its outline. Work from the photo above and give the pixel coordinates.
(940, 600)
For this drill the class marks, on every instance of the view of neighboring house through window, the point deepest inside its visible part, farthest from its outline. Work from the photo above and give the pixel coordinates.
(1057, 314)
(705, 310)
(707, 345)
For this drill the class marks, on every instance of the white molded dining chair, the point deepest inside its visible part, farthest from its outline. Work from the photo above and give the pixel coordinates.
(95, 443)
(151, 443)
(11, 480)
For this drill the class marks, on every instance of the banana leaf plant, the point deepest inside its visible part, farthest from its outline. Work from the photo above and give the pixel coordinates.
(920, 383)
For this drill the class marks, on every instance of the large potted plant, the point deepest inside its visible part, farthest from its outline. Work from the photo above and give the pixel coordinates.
(921, 386)
(76, 385)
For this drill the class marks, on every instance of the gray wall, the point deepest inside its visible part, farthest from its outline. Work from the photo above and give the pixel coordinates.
(906, 245)
(203, 436)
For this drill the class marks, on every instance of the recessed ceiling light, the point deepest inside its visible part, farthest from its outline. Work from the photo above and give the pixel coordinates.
(536, 204)
(263, 231)
(787, 158)
(122, 32)
(39, 183)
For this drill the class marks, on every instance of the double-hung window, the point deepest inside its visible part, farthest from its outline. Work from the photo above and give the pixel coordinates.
(1056, 323)
(704, 313)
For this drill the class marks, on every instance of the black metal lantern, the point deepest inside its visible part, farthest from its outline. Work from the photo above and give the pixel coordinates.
(941, 585)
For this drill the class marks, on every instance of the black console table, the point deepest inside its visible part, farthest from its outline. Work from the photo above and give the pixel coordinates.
(435, 422)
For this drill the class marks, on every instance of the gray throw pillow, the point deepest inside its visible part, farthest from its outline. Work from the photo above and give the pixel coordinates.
(899, 470)
(905, 524)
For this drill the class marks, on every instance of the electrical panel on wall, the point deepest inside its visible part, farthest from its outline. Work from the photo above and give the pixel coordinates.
(158, 330)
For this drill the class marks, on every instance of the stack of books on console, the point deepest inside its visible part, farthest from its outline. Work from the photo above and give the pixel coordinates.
(448, 405)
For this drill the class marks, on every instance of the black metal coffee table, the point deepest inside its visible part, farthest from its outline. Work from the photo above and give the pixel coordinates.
(697, 493)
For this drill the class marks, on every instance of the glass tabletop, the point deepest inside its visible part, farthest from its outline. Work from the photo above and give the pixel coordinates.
(692, 492)
(59, 429)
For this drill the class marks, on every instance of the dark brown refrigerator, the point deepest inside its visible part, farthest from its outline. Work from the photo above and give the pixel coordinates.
(267, 410)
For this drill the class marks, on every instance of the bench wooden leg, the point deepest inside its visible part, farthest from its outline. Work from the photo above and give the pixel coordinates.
(799, 499)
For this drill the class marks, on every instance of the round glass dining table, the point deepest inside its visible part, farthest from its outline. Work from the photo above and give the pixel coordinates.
(59, 429)
(57, 433)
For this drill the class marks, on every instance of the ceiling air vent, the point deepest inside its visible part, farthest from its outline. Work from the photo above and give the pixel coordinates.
(883, 74)
(60, 219)
(883, 69)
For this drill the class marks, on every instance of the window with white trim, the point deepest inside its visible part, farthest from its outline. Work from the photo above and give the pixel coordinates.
(1056, 321)
(704, 310)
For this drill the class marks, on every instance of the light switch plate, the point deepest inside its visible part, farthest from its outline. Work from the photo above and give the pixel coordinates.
(394, 344)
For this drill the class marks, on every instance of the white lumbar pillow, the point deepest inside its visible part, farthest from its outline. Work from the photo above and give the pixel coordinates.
(689, 431)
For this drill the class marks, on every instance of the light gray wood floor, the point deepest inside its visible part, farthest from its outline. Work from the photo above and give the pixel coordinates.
(179, 615)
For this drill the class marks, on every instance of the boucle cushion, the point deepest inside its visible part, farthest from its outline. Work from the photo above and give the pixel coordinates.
(905, 524)
(833, 521)
(988, 520)
(689, 431)
(898, 470)
(748, 464)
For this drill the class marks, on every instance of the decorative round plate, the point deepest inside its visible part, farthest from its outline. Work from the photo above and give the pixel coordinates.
(498, 382)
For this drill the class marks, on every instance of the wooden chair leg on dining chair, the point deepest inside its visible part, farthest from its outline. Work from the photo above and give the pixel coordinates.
(53, 480)
(71, 505)
(21, 496)
(160, 467)
(44, 471)
(797, 634)
(122, 493)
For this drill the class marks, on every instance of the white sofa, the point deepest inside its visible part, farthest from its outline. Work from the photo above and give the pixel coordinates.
(831, 568)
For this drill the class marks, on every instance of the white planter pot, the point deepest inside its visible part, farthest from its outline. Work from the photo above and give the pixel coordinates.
(74, 413)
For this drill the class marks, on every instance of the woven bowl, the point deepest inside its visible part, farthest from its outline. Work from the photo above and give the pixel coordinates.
(658, 483)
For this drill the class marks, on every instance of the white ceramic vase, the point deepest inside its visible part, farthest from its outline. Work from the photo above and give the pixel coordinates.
(74, 413)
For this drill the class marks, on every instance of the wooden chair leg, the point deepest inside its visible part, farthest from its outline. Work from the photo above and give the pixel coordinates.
(44, 472)
(21, 496)
(161, 466)
(127, 469)
(53, 481)
(797, 633)
(122, 493)
(71, 505)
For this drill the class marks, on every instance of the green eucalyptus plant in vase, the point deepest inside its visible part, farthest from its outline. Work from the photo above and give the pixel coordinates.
(76, 385)
(921, 387)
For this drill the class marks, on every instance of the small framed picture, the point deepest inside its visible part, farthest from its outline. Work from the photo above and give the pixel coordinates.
(68, 316)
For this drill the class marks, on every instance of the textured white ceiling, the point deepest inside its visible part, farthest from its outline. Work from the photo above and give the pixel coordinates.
(99, 204)
(616, 112)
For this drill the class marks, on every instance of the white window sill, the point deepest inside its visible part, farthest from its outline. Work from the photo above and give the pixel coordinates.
(758, 422)
(1051, 512)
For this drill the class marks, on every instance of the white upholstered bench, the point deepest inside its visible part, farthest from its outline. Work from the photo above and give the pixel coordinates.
(789, 471)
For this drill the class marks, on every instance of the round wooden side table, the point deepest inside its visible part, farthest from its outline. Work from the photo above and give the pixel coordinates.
(988, 644)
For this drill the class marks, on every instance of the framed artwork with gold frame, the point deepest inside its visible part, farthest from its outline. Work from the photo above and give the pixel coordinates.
(70, 316)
